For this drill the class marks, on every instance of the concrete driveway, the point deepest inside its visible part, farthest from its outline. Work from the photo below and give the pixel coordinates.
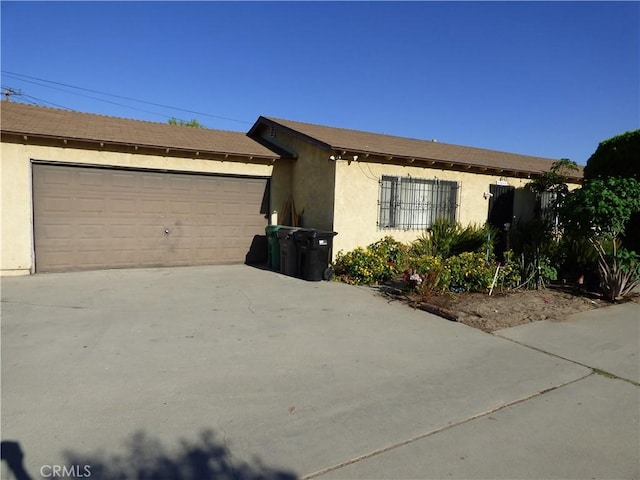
(235, 372)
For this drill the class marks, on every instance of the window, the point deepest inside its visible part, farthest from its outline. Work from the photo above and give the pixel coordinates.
(414, 203)
(546, 202)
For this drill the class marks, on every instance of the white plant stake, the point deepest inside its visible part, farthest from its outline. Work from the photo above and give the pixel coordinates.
(495, 277)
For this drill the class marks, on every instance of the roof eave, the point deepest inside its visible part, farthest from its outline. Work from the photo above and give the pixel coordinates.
(445, 164)
(24, 137)
(253, 132)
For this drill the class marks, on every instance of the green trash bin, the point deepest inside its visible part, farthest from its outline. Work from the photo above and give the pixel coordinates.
(273, 247)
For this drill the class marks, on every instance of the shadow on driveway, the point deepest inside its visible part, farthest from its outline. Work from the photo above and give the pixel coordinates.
(147, 458)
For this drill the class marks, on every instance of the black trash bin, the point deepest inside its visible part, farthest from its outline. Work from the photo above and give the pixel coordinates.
(288, 251)
(314, 249)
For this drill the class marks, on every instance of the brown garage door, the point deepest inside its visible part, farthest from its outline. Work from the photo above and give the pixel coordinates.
(93, 218)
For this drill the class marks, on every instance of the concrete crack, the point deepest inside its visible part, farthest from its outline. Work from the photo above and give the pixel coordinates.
(595, 370)
(75, 307)
(393, 446)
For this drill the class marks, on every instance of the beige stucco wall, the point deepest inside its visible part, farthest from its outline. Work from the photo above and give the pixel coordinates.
(16, 217)
(280, 189)
(357, 191)
(311, 178)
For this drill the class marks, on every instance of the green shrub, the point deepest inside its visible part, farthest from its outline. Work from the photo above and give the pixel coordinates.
(509, 276)
(377, 263)
(394, 252)
(528, 270)
(473, 238)
(619, 270)
(469, 272)
(422, 247)
(446, 239)
(434, 275)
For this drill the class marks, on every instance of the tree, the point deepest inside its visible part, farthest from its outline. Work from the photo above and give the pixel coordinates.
(184, 123)
(555, 180)
(618, 156)
(600, 211)
(602, 207)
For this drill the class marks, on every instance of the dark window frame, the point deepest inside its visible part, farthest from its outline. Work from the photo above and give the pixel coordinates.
(410, 203)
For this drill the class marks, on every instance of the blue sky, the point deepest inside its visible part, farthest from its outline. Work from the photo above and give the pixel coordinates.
(551, 79)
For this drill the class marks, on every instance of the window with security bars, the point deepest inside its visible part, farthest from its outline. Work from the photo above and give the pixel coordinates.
(546, 204)
(414, 203)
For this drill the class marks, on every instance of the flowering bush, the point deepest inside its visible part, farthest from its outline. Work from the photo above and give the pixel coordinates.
(425, 274)
(433, 272)
(470, 272)
(379, 262)
(394, 252)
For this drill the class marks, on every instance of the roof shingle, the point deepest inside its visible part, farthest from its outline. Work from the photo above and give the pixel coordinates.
(356, 141)
(30, 120)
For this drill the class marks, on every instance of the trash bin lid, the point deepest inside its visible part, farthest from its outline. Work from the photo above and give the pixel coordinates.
(285, 232)
(272, 229)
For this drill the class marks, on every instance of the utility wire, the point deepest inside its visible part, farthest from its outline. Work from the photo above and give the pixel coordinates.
(29, 98)
(22, 77)
(91, 97)
(41, 101)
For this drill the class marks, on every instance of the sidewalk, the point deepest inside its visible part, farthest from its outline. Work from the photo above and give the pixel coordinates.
(589, 428)
(606, 339)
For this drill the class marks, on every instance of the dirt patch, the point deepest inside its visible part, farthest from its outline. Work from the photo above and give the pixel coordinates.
(503, 310)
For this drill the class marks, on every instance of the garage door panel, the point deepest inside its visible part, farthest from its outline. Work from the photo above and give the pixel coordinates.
(124, 206)
(180, 207)
(89, 205)
(122, 181)
(94, 179)
(151, 183)
(180, 183)
(152, 207)
(89, 218)
(90, 232)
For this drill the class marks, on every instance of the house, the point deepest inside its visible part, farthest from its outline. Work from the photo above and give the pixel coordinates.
(365, 185)
(83, 191)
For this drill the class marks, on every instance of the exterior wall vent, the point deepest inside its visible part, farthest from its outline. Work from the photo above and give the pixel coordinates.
(272, 132)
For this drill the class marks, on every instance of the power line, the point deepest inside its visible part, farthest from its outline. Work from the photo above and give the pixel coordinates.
(41, 101)
(27, 78)
(9, 91)
(91, 97)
